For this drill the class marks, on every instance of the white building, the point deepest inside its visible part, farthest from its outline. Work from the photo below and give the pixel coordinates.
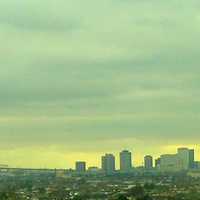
(183, 160)
(187, 157)
(170, 162)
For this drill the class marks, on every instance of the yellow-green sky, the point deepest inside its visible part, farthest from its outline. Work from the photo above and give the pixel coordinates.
(79, 78)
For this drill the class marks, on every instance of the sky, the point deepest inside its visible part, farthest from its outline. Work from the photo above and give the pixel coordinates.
(81, 78)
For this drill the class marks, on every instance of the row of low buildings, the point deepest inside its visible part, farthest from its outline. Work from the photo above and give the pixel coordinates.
(182, 160)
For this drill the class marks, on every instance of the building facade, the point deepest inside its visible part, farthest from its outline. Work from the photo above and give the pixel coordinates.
(157, 163)
(125, 161)
(187, 158)
(191, 159)
(182, 160)
(80, 166)
(170, 162)
(148, 162)
(108, 163)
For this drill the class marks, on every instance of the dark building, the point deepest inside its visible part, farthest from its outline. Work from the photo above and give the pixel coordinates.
(157, 163)
(80, 166)
(191, 159)
(148, 162)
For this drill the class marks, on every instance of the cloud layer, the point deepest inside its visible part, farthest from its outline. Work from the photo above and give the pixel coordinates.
(84, 76)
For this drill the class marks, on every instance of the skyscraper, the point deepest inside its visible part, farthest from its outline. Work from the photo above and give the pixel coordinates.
(191, 158)
(184, 156)
(125, 161)
(108, 163)
(148, 162)
(80, 166)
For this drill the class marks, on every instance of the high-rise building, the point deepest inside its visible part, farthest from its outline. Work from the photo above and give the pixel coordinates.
(125, 161)
(186, 157)
(108, 163)
(191, 159)
(148, 162)
(80, 166)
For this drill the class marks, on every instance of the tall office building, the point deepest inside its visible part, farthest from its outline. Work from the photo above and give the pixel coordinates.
(125, 161)
(191, 159)
(186, 157)
(80, 166)
(148, 162)
(108, 163)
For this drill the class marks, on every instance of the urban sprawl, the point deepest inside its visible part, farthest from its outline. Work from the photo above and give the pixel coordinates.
(170, 177)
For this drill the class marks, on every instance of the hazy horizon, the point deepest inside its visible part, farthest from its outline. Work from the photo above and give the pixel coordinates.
(82, 78)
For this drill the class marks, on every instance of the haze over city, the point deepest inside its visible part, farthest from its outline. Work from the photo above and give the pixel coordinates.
(80, 78)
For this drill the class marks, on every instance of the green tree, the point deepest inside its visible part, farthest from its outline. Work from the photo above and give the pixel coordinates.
(137, 191)
(122, 197)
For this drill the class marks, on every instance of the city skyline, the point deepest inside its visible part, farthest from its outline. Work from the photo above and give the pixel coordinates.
(121, 163)
(81, 78)
(182, 159)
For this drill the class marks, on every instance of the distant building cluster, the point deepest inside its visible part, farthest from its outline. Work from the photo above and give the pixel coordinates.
(182, 160)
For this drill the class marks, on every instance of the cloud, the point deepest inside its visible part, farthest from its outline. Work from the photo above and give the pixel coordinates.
(88, 75)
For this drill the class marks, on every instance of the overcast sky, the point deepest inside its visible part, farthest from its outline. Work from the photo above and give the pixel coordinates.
(82, 77)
